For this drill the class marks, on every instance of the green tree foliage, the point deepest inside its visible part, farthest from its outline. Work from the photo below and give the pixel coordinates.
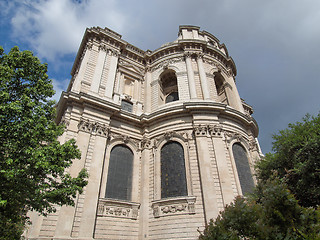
(272, 213)
(32, 161)
(296, 160)
(285, 203)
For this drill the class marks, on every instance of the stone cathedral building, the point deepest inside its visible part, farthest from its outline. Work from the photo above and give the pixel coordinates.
(165, 137)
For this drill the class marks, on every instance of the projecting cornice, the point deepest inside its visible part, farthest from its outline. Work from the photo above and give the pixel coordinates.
(201, 41)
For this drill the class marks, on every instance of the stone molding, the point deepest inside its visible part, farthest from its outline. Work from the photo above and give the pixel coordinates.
(173, 206)
(93, 127)
(117, 208)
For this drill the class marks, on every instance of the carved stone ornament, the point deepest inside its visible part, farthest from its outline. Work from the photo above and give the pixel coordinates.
(200, 130)
(169, 135)
(119, 209)
(93, 127)
(145, 143)
(167, 63)
(253, 145)
(219, 66)
(173, 206)
(230, 136)
(64, 121)
(215, 130)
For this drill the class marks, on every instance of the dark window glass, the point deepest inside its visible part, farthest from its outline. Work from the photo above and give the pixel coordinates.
(119, 180)
(173, 171)
(243, 168)
(127, 106)
(172, 97)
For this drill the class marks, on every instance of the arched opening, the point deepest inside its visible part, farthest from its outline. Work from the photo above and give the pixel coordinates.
(173, 171)
(243, 168)
(168, 86)
(119, 181)
(220, 86)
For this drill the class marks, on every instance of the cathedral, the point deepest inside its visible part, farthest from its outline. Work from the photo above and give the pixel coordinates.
(164, 135)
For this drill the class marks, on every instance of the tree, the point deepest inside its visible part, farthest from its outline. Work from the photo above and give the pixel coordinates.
(296, 160)
(271, 213)
(32, 161)
(285, 202)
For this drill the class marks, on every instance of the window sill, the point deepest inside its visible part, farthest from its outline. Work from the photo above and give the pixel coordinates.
(173, 206)
(117, 208)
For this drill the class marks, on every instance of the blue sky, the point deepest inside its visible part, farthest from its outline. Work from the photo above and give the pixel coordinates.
(274, 43)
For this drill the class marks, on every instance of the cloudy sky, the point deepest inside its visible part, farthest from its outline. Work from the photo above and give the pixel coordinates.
(274, 43)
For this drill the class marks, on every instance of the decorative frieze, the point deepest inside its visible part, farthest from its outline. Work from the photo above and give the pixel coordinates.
(116, 208)
(93, 127)
(173, 206)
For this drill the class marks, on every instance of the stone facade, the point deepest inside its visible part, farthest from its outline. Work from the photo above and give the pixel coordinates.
(182, 93)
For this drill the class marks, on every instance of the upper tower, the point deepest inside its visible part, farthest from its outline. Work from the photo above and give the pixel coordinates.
(164, 136)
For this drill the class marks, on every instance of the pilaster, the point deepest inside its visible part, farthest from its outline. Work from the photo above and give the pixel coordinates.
(190, 72)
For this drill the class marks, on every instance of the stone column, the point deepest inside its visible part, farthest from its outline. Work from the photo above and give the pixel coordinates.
(144, 195)
(222, 163)
(203, 78)
(192, 84)
(111, 74)
(147, 93)
(233, 94)
(82, 69)
(116, 96)
(95, 161)
(67, 213)
(210, 202)
(102, 56)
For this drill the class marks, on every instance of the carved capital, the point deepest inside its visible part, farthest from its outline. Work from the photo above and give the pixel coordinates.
(93, 127)
(215, 130)
(145, 143)
(200, 130)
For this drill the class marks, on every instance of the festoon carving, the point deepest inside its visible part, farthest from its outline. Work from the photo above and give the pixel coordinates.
(181, 205)
(123, 138)
(114, 208)
(93, 127)
(219, 66)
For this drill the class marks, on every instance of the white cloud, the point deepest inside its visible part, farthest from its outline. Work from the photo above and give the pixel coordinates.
(54, 28)
(59, 86)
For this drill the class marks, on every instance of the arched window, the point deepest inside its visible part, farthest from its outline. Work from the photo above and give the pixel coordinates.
(243, 168)
(119, 182)
(173, 171)
(219, 82)
(168, 86)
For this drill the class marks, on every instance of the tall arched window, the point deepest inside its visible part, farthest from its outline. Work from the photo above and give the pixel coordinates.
(243, 168)
(219, 82)
(119, 182)
(173, 171)
(169, 86)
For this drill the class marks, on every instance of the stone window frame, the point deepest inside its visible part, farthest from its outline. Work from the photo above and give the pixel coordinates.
(157, 169)
(245, 145)
(169, 90)
(135, 171)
